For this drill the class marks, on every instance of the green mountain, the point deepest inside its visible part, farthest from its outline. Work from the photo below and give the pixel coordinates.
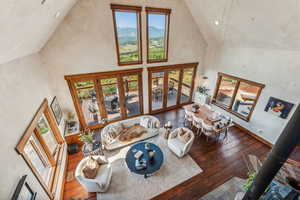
(128, 35)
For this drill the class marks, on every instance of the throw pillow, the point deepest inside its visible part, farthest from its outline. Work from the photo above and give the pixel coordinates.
(174, 135)
(145, 122)
(101, 160)
(181, 131)
(184, 137)
(90, 169)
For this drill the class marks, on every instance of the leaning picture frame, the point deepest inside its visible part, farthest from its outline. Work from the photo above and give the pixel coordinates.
(55, 107)
(23, 191)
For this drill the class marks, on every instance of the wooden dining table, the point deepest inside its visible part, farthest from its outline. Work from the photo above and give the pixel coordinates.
(208, 116)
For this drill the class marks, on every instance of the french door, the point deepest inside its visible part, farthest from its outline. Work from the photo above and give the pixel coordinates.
(101, 98)
(170, 86)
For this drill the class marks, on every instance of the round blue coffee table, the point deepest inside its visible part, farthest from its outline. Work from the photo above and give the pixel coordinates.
(152, 165)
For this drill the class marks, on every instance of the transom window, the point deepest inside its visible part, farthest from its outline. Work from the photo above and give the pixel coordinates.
(236, 95)
(41, 147)
(127, 26)
(158, 21)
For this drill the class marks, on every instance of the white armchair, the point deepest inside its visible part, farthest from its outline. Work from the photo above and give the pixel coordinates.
(100, 183)
(179, 147)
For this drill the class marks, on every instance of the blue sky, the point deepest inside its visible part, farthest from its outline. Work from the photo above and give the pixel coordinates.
(158, 21)
(125, 19)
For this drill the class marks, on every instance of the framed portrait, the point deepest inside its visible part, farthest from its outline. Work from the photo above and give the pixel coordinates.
(23, 191)
(279, 107)
(55, 107)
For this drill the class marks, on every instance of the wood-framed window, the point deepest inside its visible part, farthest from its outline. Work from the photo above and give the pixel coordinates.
(158, 26)
(128, 36)
(105, 97)
(237, 95)
(170, 86)
(41, 147)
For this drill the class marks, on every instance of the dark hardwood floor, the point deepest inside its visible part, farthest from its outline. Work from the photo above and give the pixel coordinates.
(220, 161)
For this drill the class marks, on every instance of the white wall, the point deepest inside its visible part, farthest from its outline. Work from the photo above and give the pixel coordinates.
(278, 69)
(24, 85)
(85, 42)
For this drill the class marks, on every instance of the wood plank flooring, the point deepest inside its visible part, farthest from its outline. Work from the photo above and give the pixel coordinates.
(219, 160)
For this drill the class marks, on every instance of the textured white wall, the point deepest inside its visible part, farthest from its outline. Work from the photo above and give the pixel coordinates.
(278, 69)
(24, 85)
(27, 25)
(85, 42)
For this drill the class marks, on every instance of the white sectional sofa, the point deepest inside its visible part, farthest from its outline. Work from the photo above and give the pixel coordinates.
(151, 124)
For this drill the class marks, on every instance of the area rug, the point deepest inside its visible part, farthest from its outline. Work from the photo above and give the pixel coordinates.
(227, 191)
(126, 185)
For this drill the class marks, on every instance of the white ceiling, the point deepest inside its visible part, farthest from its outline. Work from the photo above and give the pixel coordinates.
(26, 25)
(249, 23)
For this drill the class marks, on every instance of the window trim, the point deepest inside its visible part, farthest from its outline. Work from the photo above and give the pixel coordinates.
(239, 80)
(32, 130)
(167, 13)
(72, 79)
(137, 10)
(166, 70)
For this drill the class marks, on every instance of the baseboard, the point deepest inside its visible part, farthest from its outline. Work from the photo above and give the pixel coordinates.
(64, 178)
(253, 135)
(289, 160)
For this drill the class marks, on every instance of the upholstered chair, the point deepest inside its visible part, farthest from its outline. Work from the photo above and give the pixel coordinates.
(176, 145)
(101, 182)
(197, 123)
(208, 130)
(188, 118)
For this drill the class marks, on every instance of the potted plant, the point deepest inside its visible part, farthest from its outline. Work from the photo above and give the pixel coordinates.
(201, 95)
(86, 136)
(249, 181)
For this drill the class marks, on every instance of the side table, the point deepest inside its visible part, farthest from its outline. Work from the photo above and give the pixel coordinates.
(168, 128)
(97, 150)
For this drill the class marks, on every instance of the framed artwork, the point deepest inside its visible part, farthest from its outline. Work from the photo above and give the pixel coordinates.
(279, 107)
(23, 191)
(55, 107)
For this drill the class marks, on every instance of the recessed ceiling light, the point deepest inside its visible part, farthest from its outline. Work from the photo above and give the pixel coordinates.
(217, 23)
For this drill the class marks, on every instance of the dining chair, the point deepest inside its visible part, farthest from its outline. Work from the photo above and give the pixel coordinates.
(188, 118)
(197, 123)
(208, 130)
(208, 106)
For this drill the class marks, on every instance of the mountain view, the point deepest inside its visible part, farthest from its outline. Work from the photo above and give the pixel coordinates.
(128, 43)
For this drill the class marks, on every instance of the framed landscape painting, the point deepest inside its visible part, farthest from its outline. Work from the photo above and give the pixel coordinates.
(55, 107)
(279, 107)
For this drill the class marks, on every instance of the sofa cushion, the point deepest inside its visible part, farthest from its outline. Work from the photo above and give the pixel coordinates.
(91, 168)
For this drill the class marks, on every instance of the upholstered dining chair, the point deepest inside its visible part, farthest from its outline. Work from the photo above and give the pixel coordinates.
(197, 123)
(101, 182)
(208, 106)
(188, 118)
(208, 130)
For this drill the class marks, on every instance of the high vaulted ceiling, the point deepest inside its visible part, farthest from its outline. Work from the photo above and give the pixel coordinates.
(26, 25)
(249, 23)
